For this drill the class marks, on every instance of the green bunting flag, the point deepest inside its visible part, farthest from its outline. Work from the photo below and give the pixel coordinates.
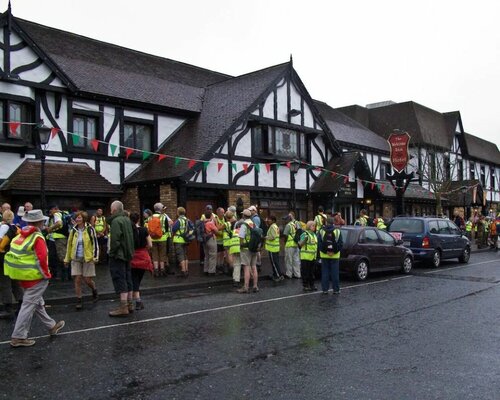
(112, 147)
(177, 161)
(233, 166)
(257, 167)
(76, 139)
(205, 165)
(145, 155)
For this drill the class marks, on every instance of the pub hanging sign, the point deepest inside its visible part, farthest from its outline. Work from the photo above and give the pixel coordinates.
(399, 146)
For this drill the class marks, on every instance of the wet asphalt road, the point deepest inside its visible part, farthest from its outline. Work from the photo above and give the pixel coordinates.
(430, 335)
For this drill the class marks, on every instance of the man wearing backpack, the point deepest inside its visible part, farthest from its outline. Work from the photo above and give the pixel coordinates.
(98, 222)
(330, 243)
(320, 219)
(158, 228)
(308, 251)
(292, 258)
(181, 228)
(56, 233)
(248, 253)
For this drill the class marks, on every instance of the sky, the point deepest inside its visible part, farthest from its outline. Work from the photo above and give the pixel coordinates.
(442, 54)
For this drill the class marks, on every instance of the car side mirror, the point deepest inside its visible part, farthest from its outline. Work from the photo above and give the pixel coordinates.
(399, 242)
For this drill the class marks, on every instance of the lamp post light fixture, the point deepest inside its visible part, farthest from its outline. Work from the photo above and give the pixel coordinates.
(294, 168)
(43, 137)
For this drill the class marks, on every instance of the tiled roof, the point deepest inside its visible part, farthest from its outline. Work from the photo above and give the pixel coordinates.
(60, 177)
(106, 69)
(482, 149)
(225, 104)
(349, 131)
(414, 191)
(425, 126)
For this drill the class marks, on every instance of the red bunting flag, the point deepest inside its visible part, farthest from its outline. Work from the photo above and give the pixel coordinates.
(128, 152)
(268, 168)
(382, 187)
(245, 167)
(13, 127)
(318, 169)
(191, 164)
(333, 174)
(219, 166)
(372, 186)
(53, 132)
(288, 164)
(346, 180)
(161, 157)
(95, 144)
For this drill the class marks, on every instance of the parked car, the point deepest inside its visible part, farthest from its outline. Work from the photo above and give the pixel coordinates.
(431, 239)
(368, 249)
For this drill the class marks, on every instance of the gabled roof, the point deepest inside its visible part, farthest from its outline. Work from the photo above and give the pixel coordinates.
(413, 191)
(226, 105)
(349, 131)
(105, 69)
(341, 165)
(60, 177)
(426, 126)
(481, 149)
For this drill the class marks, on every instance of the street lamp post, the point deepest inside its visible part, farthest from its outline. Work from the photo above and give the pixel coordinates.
(43, 137)
(464, 192)
(294, 168)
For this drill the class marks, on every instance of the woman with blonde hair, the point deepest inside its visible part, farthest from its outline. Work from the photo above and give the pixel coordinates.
(82, 252)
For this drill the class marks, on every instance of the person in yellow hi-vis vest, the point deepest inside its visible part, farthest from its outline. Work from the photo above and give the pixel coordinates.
(308, 244)
(273, 247)
(27, 262)
(292, 259)
(159, 230)
(234, 251)
(330, 243)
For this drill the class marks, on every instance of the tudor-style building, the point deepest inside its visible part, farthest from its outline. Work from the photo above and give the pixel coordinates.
(460, 169)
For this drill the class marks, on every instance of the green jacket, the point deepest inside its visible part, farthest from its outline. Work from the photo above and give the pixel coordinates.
(121, 237)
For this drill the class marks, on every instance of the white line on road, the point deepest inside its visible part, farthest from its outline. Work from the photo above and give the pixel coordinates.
(461, 266)
(167, 317)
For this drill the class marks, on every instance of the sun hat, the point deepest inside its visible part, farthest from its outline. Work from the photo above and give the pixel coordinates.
(34, 216)
(252, 208)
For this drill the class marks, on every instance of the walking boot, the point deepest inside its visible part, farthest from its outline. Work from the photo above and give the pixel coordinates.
(121, 310)
(130, 305)
(95, 295)
(79, 303)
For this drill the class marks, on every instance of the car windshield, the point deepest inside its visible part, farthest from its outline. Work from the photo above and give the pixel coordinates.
(407, 226)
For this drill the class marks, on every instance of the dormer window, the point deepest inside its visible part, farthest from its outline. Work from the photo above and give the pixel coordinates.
(279, 143)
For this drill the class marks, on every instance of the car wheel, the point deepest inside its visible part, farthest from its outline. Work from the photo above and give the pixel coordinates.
(436, 259)
(465, 257)
(361, 270)
(407, 265)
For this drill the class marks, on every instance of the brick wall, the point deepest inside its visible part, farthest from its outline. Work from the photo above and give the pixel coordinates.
(233, 195)
(130, 200)
(168, 197)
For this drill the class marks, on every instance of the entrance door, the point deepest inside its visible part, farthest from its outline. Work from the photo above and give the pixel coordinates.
(346, 212)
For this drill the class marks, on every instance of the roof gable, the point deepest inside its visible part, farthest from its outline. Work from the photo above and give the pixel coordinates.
(481, 149)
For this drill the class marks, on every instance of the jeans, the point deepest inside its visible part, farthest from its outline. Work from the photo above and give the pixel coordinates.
(121, 275)
(330, 272)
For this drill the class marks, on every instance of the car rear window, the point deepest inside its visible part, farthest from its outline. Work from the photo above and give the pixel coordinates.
(407, 226)
(345, 235)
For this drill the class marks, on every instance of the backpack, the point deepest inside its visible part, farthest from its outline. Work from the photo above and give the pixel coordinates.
(7, 238)
(256, 238)
(189, 233)
(154, 227)
(298, 234)
(329, 244)
(199, 228)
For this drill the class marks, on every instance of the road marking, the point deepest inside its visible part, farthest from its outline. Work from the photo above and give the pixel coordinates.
(460, 266)
(204, 311)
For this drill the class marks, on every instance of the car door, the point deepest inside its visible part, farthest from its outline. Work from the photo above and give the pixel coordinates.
(392, 253)
(457, 241)
(374, 248)
(446, 238)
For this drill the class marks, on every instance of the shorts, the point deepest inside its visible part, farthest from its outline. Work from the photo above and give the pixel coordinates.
(159, 251)
(180, 252)
(86, 269)
(248, 258)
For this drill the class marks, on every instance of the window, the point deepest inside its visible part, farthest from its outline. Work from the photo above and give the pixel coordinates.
(138, 136)
(386, 238)
(460, 170)
(433, 227)
(432, 161)
(444, 228)
(385, 168)
(14, 111)
(483, 176)
(406, 225)
(447, 167)
(279, 142)
(370, 236)
(86, 129)
(454, 230)
(472, 169)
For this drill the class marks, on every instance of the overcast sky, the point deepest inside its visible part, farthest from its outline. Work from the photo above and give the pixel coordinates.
(442, 54)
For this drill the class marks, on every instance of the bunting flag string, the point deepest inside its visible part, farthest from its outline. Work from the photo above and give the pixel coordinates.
(95, 143)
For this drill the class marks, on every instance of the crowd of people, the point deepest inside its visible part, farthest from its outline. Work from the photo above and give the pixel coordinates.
(230, 242)
(483, 229)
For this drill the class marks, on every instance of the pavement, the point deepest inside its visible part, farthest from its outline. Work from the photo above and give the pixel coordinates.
(60, 292)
